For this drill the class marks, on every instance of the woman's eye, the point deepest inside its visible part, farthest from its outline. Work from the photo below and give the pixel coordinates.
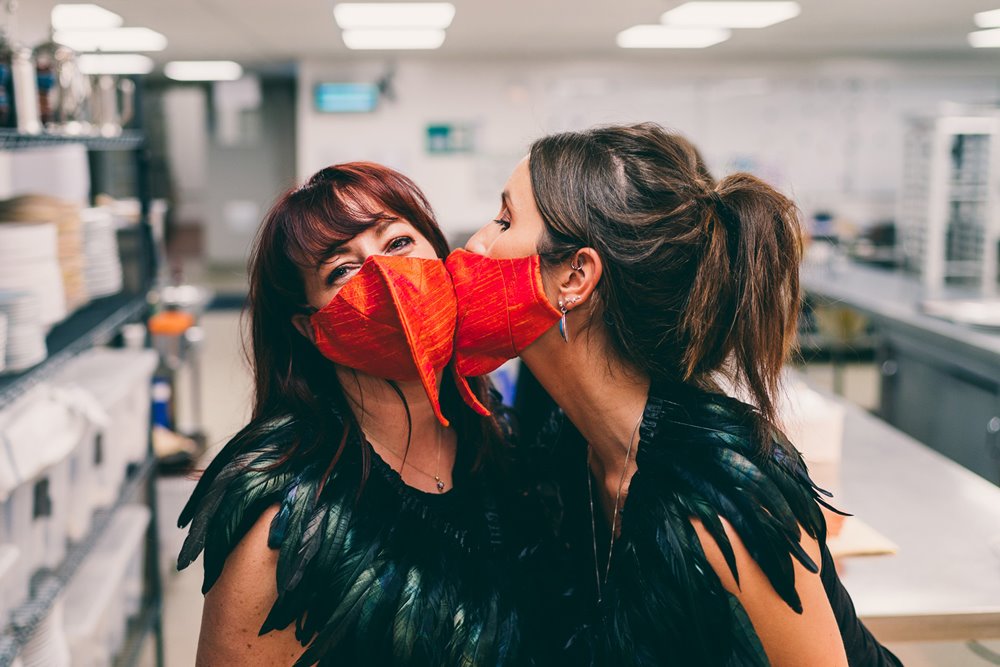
(339, 273)
(400, 243)
(504, 224)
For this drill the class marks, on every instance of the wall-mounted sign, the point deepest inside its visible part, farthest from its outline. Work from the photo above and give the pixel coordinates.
(451, 138)
(346, 97)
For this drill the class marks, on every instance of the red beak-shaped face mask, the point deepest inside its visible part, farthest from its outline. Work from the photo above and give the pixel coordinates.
(502, 309)
(395, 319)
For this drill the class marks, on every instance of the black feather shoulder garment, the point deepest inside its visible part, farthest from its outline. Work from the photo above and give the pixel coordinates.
(387, 576)
(662, 603)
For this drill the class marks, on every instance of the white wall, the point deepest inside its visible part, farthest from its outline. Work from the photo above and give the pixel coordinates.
(185, 115)
(829, 132)
(228, 185)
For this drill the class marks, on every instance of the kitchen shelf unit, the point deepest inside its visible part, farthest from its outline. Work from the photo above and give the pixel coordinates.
(97, 323)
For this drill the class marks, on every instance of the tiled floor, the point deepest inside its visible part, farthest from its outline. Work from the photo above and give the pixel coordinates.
(226, 392)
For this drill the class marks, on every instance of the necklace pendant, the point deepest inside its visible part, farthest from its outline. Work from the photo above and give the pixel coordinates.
(440, 484)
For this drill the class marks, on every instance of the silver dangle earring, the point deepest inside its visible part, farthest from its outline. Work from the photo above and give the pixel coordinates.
(563, 330)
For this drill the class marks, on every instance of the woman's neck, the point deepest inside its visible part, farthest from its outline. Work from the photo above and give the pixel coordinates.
(404, 431)
(604, 399)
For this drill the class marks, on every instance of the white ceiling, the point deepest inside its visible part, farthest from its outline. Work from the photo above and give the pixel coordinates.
(259, 31)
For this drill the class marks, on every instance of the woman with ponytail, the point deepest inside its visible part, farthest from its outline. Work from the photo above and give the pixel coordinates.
(634, 287)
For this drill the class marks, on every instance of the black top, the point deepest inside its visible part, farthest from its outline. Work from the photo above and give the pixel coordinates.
(697, 456)
(370, 573)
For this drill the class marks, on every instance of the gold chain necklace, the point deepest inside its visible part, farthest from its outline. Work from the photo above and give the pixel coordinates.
(438, 482)
(614, 516)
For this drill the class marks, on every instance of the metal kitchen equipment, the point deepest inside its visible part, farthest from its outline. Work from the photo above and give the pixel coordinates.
(949, 210)
(112, 103)
(63, 90)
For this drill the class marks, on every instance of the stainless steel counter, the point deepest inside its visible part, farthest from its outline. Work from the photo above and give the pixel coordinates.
(944, 583)
(892, 297)
(940, 380)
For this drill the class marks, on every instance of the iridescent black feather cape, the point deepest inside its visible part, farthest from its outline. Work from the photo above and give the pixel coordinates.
(698, 457)
(390, 575)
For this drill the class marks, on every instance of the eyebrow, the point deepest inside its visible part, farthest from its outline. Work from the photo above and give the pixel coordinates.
(340, 248)
(505, 200)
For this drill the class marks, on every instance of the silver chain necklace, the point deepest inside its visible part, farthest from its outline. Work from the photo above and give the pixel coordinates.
(438, 481)
(614, 516)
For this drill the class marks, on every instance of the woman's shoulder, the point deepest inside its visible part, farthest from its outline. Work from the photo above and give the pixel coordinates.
(708, 496)
(250, 474)
(705, 461)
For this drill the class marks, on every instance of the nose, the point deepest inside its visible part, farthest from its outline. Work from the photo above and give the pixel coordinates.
(481, 241)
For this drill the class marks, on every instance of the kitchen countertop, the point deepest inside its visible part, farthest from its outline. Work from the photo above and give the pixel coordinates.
(893, 298)
(944, 583)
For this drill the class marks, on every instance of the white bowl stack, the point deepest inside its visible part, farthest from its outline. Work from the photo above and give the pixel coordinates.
(29, 262)
(103, 272)
(25, 333)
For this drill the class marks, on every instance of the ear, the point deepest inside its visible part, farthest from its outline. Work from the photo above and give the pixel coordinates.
(583, 273)
(302, 322)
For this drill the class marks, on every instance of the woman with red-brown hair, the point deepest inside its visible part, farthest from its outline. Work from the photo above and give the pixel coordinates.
(359, 517)
(634, 287)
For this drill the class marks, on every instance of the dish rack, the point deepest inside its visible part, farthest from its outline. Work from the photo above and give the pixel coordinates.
(949, 215)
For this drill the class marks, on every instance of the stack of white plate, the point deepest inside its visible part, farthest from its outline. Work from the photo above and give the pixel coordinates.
(3, 341)
(25, 344)
(29, 262)
(103, 269)
(66, 216)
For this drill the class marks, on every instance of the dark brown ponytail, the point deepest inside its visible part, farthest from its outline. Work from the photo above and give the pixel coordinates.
(700, 278)
(743, 306)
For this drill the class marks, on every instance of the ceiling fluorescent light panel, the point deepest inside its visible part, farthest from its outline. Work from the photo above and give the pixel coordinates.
(360, 15)
(670, 37)
(393, 39)
(112, 39)
(83, 17)
(990, 19)
(115, 63)
(203, 70)
(985, 39)
(731, 14)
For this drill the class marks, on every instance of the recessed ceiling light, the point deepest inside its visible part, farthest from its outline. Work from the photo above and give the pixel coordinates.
(203, 70)
(115, 63)
(990, 19)
(985, 39)
(731, 14)
(113, 39)
(393, 39)
(669, 37)
(353, 15)
(83, 17)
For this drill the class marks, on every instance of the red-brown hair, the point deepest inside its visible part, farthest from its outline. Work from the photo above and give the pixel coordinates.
(291, 377)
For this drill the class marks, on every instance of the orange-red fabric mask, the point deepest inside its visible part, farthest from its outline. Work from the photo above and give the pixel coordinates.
(394, 319)
(502, 309)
